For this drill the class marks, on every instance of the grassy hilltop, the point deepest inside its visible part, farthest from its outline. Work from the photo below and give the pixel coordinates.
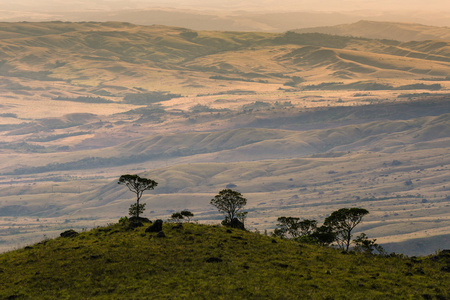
(205, 262)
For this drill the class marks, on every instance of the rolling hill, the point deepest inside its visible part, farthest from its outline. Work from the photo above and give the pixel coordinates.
(404, 32)
(209, 261)
(390, 166)
(112, 59)
(299, 123)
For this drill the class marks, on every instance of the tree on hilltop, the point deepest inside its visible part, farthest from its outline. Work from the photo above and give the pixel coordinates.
(137, 185)
(366, 245)
(229, 203)
(293, 227)
(177, 217)
(343, 221)
(187, 214)
(288, 226)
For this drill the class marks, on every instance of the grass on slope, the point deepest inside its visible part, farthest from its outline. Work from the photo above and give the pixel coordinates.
(209, 262)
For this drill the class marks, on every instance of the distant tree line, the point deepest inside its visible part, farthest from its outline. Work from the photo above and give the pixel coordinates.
(149, 97)
(84, 99)
(370, 86)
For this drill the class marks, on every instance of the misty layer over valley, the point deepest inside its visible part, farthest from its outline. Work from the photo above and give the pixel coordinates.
(266, 16)
(301, 122)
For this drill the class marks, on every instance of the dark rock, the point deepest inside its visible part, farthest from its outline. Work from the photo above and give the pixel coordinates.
(155, 227)
(161, 234)
(214, 260)
(229, 231)
(69, 233)
(274, 241)
(235, 223)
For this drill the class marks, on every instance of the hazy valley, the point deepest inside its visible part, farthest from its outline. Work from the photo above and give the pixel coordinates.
(301, 123)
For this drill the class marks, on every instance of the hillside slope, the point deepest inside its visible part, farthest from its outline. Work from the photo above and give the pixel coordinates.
(399, 169)
(210, 262)
(384, 30)
(57, 59)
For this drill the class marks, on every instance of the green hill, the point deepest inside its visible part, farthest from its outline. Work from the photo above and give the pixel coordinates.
(210, 262)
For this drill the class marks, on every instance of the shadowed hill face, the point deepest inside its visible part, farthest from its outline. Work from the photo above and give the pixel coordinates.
(246, 143)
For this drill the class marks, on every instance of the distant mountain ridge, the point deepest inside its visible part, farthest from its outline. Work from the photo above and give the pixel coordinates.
(118, 52)
(403, 32)
(278, 19)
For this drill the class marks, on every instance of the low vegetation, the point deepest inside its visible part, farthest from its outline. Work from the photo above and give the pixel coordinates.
(203, 261)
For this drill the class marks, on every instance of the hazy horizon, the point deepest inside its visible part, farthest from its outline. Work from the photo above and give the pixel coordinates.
(253, 5)
(249, 15)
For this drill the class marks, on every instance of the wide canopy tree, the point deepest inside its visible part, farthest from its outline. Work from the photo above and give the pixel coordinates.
(343, 221)
(229, 202)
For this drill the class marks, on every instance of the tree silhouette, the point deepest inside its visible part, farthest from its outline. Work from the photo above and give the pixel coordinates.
(177, 217)
(137, 185)
(229, 202)
(293, 227)
(366, 245)
(187, 214)
(288, 226)
(343, 221)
